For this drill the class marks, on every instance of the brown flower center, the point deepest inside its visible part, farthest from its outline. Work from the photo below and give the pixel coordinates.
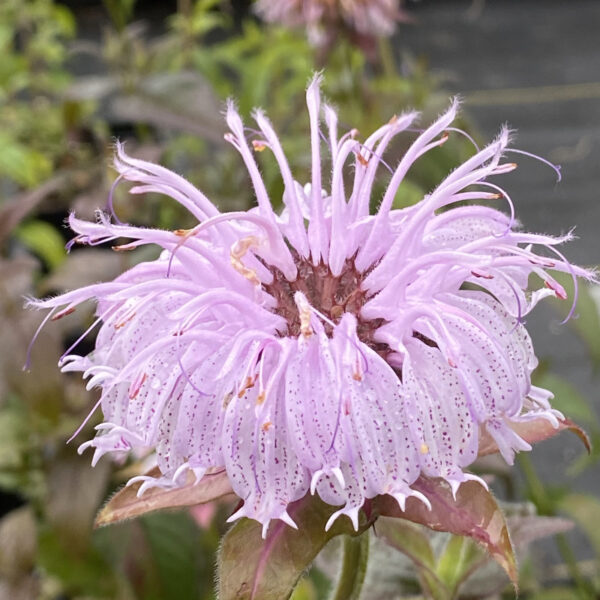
(331, 295)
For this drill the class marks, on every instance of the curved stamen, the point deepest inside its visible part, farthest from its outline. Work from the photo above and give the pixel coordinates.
(555, 168)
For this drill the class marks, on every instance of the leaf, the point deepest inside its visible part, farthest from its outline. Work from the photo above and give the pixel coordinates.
(44, 240)
(535, 431)
(173, 541)
(585, 510)
(126, 505)
(252, 568)
(460, 558)
(474, 513)
(413, 543)
(80, 572)
(525, 529)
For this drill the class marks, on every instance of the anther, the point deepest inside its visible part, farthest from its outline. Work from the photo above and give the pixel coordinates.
(482, 275)
(337, 311)
(304, 312)
(124, 321)
(182, 232)
(63, 313)
(259, 145)
(137, 386)
(237, 252)
(361, 159)
(247, 385)
(558, 290)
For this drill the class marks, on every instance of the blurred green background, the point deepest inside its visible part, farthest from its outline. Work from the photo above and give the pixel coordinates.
(75, 76)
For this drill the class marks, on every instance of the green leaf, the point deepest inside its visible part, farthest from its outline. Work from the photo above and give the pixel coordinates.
(413, 543)
(82, 573)
(459, 559)
(125, 504)
(173, 541)
(21, 163)
(585, 511)
(473, 513)
(44, 240)
(253, 568)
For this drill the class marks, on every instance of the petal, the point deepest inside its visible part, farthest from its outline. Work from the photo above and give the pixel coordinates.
(439, 414)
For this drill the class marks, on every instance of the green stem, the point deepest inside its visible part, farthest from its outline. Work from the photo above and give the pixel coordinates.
(354, 567)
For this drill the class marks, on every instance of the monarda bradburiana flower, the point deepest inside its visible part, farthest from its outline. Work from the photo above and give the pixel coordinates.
(321, 350)
(365, 18)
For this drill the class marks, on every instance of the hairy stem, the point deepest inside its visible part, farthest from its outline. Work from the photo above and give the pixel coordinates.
(354, 567)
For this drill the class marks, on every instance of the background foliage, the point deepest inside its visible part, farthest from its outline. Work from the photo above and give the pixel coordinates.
(160, 82)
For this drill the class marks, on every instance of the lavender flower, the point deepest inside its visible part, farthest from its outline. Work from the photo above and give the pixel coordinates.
(323, 349)
(365, 17)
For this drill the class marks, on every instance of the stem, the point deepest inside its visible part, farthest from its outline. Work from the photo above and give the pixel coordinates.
(354, 567)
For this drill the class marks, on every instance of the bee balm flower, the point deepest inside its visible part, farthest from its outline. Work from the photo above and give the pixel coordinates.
(323, 349)
(320, 17)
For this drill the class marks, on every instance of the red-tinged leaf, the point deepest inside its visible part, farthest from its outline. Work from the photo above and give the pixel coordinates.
(126, 505)
(535, 431)
(253, 568)
(474, 513)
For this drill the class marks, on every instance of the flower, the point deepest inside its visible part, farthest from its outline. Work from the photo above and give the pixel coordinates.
(324, 349)
(363, 17)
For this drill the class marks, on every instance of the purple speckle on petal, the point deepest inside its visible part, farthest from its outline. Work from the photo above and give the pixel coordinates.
(321, 349)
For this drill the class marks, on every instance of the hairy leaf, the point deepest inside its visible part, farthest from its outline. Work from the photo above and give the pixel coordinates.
(474, 513)
(525, 529)
(125, 504)
(253, 568)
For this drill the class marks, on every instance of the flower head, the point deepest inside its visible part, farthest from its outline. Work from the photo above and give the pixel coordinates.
(361, 17)
(324, 349)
